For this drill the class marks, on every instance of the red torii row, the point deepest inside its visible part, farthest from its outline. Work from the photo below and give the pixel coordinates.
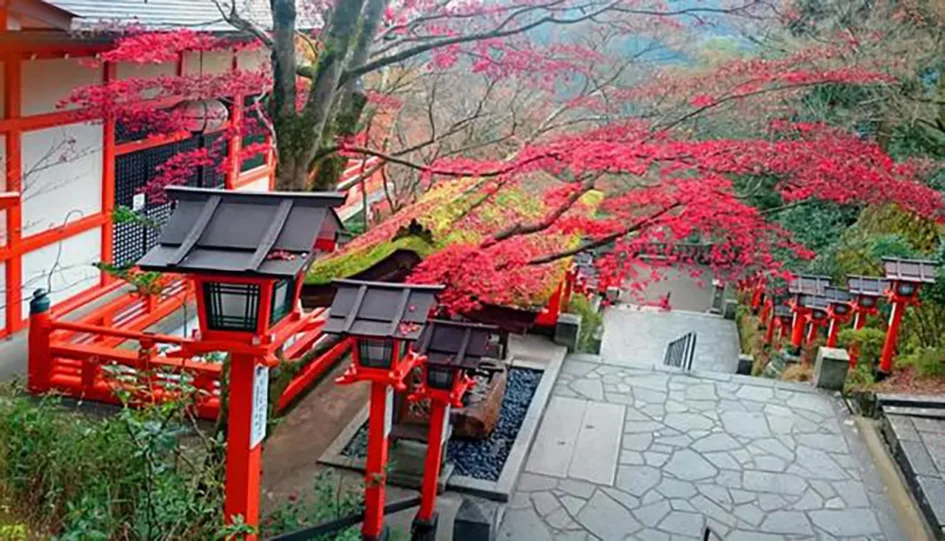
(814, 303)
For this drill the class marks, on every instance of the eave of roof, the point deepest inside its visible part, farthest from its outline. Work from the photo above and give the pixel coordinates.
(201, 15)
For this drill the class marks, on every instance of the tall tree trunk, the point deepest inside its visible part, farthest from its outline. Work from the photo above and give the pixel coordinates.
(282, 108)
(350, 101)
(330, 66)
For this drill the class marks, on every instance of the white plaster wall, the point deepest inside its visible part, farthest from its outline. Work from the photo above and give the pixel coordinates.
(62, 170)
(253, 60)
(3, 296)
(214, 62)
(261, 185)
(70, 263)
(127, 70)
(47, 81)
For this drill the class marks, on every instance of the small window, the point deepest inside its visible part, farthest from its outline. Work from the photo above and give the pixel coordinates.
(282, 296)
(232, 307)
(374, 353)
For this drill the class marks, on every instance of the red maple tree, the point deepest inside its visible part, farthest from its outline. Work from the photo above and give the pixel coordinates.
(660, 182)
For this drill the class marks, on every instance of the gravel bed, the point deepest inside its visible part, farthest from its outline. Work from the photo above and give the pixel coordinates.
(481, 459)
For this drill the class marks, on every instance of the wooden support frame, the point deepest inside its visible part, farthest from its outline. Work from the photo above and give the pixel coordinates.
(12, 126)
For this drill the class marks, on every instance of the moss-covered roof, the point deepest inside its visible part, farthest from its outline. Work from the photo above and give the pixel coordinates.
(451, 212)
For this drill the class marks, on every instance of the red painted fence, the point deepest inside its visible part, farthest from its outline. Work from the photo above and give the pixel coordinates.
(95, 356)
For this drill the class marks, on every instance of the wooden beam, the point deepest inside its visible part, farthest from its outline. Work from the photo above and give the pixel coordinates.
(14, 213)
(108, 178)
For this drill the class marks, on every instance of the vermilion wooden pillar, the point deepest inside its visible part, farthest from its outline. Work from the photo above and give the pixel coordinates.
(767, 311)
(859, 321)
(375, 478)
(797, 328)
(770, 323)
(892, 336)
(832, 330)
(431, 465)
(242, 459)
(39, 358)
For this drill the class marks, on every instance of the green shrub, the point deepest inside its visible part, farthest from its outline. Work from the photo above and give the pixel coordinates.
(928, 362)
(747, 328)
(860, 378)
(868, 340)
(328, 500)
(145, 473)
(591, 322)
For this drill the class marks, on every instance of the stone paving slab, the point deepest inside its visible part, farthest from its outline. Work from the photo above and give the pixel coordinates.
(918, 445)
(598, 444)
(748, 458)
(636, 337)
(554, 444)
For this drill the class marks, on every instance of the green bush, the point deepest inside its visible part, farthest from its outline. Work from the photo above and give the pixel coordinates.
(929, 362)
(591, 322)
(747, 325)
(145, 473)
(860, 378)
(868, 340)
(329, 500)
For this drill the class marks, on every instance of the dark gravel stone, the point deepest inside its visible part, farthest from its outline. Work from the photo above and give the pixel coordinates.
(481, 459)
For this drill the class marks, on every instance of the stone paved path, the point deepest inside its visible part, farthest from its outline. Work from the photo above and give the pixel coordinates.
(636, 337)
(628, 453)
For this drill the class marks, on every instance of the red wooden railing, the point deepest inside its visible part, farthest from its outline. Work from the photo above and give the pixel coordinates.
(107, 350)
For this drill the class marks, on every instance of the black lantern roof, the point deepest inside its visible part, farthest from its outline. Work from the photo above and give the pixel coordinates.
(869, 286)
(837, 295)
(808, 284)
(247, 233)
(919, 271)
(814, 302)
(454, 343)
(782, 311)
(380, 309)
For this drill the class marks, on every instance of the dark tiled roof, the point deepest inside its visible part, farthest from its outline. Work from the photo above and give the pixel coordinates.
(455, 343)
(808, 284)
(248, 233)
(380, 309)
(836, 294)
(910, 270)
(872, 286)
(813, 301)
(167, 14)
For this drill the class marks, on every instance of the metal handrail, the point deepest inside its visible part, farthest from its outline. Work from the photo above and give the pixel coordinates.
(343, 523)
(681, 352)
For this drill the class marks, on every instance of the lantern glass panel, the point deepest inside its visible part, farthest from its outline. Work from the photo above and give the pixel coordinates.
(440, 377)
(867, 302)
(282, 297)
(375, 353)
(841, 309)
(905, 289)
(231, 307)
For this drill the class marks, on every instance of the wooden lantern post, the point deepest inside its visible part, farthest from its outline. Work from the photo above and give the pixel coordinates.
(866, 292)
(453, 352)
(905, 276)
(383, 319)
(757, 293)
(247, 254)
(839, 310)
(816, 315)
(801, 287)
(767, 309)
(781, 317)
